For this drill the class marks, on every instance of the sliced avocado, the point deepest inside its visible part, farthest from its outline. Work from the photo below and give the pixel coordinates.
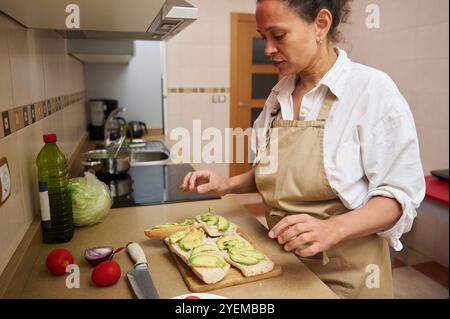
(243, 260)
(192, 239)
(212, 220)
(166, 225)
(193, 234)
(225, 241)
(209, 218)
(204, 217)
(252, 253)
(206, 260)
(224, 223)
(234, 244)
(188, 245)
(203, 249)
(176, 237)
(188, 222)
(247, 247)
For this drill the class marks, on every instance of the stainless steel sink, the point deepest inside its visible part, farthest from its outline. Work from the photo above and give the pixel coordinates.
(144, 152)
(144, 158)
(138, 145)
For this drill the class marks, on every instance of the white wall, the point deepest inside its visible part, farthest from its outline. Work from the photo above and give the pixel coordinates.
(199, 58)
(412, 46)
(137, 85)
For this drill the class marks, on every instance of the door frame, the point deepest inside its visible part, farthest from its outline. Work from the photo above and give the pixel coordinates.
(234, 72)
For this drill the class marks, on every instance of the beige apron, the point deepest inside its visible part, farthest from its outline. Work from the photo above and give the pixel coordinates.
(358, 268)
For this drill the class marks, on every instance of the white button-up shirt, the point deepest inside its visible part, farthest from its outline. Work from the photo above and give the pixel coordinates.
(370, 141)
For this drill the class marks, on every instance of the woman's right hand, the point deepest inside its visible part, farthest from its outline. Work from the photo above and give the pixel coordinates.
(206, 182)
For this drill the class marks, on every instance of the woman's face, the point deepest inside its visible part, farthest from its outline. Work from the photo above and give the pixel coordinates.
(290, 41)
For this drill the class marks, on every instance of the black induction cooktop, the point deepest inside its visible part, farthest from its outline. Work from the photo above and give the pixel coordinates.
(151, 185)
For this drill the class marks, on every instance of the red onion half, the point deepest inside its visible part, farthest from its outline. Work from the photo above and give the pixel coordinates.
(96, 255)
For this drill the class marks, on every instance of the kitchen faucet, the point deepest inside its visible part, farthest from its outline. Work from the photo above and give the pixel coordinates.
(111, 115)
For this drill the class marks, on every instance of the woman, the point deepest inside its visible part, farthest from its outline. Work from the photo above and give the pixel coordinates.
(349, 175)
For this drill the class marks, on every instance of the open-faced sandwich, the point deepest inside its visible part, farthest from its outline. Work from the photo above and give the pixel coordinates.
(159, 232)
(201, 255)
(209, 245)
(241, 254)
(215, 225)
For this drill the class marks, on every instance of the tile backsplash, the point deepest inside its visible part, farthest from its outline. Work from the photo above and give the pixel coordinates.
(20, 117)
(41, 91)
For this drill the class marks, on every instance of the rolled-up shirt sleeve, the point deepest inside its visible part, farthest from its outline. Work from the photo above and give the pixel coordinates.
(392, 165)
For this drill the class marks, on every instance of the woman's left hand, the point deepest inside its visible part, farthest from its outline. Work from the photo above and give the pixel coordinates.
(305, 235)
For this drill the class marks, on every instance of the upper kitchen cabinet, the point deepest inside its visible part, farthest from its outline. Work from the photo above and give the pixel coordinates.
(101, 51)
(156, 20)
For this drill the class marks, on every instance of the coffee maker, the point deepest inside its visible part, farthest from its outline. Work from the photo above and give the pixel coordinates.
(99, 109)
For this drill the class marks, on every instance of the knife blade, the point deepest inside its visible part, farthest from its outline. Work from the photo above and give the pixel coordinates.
(139, 277)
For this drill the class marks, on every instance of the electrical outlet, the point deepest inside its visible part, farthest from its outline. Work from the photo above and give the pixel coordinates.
(5, 181)
(218, 99)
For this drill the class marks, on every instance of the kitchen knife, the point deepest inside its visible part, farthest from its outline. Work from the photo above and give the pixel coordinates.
(139, 277)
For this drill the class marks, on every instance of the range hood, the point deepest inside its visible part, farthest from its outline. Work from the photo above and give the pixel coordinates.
(105, 19)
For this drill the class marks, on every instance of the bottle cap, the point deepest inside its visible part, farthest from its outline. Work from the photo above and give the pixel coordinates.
(49, 138)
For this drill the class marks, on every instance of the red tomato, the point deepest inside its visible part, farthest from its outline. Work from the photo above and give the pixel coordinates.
(106, 273)
(58, 260)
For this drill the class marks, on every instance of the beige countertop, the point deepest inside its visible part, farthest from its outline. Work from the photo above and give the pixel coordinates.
(127, 224)
(122, 225)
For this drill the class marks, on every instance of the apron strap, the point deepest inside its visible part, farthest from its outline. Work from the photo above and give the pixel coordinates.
(275, 111)
(326, 107)
(273, 117)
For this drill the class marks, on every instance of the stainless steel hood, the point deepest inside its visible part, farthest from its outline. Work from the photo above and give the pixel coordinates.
(105, 19)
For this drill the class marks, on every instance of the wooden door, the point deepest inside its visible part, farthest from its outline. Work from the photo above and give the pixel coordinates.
(252, 78)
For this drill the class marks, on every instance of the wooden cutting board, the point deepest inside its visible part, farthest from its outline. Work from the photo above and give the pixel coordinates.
(233, 278)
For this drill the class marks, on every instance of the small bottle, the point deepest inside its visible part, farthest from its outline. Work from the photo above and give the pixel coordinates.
(54, 193)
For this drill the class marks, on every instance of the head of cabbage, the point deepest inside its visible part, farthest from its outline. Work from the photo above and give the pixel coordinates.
(91, 199)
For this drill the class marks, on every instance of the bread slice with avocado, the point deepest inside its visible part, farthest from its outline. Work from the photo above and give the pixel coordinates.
(200, 254)
(159, 232)
(241, 254)
(215, 225)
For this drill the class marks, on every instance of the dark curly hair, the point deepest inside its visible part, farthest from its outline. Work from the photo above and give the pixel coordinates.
(308, 10)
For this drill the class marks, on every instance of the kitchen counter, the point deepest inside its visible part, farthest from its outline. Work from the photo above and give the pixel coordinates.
(27, 276)
(127, 224)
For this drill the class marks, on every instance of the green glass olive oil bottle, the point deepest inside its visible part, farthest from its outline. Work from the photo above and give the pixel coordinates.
(54, 194)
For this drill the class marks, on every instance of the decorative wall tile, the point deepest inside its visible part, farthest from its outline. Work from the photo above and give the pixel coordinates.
(33, 113)
(198, 90)
(39, 111)
(6, 123)
(26, 116)
(19, 117)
